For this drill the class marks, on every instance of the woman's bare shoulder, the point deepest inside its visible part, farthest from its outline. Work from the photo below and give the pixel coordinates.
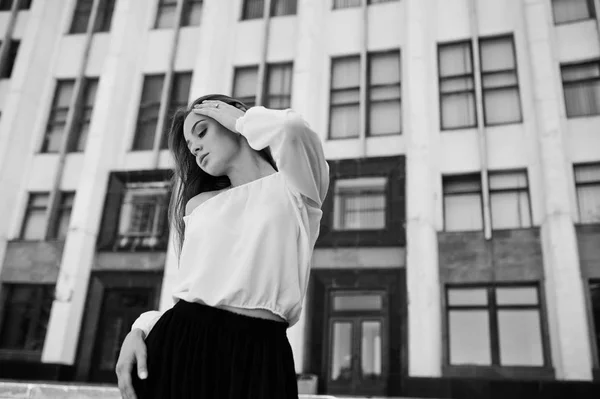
(198, 199)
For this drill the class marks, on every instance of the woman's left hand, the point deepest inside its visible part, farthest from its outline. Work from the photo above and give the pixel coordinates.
(220, 111)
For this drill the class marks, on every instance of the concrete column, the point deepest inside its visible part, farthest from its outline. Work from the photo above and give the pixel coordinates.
(26, 97)
(564, 289)
(101, 154)
(308, 70)
(424, 309)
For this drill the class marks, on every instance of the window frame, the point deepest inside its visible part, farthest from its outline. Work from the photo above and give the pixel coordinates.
(29, 208)
(526, 189)
(274, 6)
(143, 106)
(41, 292)
(495, 369)
(83, 115)
(54, 109)
(461, 177)
(517, 86)
(63, 206)
(332, 91)
(245, 10)
(579, 184)
(566, 65)
(161, 5)
(334, 2)
(267, 96)
(240, 69)
(188, 5)
(591, 12)
(441, 79)
(370, 86)
(338, 200)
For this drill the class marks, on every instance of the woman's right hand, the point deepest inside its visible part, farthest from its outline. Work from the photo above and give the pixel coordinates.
(133, 351)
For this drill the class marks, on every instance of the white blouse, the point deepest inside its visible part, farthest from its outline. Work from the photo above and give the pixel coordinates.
(251, 246)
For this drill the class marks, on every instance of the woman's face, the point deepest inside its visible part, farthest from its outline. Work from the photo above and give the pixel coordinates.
(203, 136)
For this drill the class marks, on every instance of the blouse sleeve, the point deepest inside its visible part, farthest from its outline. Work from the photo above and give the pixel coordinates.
(146, 321)
(296, 149)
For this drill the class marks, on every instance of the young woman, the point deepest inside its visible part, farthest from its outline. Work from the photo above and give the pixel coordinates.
(246, 213)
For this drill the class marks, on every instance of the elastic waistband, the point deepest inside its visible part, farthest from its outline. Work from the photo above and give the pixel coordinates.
(225, 318)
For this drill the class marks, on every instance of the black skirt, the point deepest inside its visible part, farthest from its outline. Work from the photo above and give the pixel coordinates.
(199, 351)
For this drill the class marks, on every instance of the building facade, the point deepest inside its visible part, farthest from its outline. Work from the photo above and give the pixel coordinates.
(460, 242)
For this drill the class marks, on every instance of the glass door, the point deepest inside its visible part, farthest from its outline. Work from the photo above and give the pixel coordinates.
(357, 360)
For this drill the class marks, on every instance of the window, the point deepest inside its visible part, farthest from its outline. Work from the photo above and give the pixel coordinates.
(587, 185)
(344, 115)
(384, 113)
(148, 112)
(572, 10)
(283, 7)
(278, 93)
(166, 14)
(499, 326)
(500, 84)
(84, 116)
(81, 17)
(35, 222)
(180, 92)
(595, 302)
(58, 116)
(457, 86)
(346, 3)
(26, 314)
(581, 85)
(6, 5)
(245, 81)
(462, 203)
(253, 9)
(509, 200)
(64, 215)
(379, 1)
(6, 68)
(143, 219)
(135, 211)
(103, 21)
(360, 203)
(192, 12)
(83, 13)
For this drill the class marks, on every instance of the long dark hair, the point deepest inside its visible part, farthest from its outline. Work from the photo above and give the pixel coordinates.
(189, 180)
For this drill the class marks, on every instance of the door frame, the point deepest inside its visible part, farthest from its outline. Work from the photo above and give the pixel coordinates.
(99, 282)
(390, 280)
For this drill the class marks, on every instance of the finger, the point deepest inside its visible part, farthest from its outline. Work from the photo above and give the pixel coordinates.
(142, 369)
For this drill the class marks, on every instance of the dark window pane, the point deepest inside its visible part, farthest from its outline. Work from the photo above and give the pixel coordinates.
(34, 224)
(166, 14)
(192, 13)
(253, 9)
(148, 112)
(13, 49)
(58, 116)
(283, 7)
(26, 314)
(244, 84)
(279, 86)
(343, 302)
(346, 3)
(104, 17)
(81, 17)
(572, 10)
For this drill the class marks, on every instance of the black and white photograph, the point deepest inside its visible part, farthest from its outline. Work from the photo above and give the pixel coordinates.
(299, 199)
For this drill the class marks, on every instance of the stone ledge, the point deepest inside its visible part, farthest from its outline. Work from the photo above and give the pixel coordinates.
(43, 390)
